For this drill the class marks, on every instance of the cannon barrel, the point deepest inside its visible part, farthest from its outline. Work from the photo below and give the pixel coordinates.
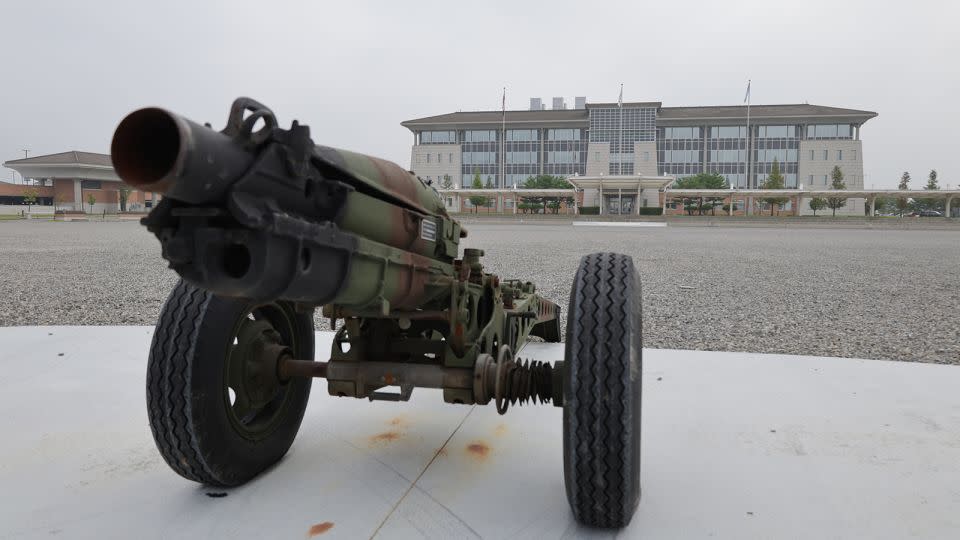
(269, 215)
(156, 150)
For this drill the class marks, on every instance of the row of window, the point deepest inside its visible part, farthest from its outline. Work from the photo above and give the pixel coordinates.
(438, 137)
(783, 156)
(563, 134)
(484, 135)
(522, 135)
(521, 157)
(777, 132)
(479, 158)
(681, 133)
(824, 155)
(563, 156)
(681, 156)
(687, 155)
(829, 131)
(429, 158)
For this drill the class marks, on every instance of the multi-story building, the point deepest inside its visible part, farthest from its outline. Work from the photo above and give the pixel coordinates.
(643, 139)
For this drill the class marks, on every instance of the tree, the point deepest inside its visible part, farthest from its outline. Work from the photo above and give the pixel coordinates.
(817, 203)
(932, 185)
(476, 201)
(91, 200)
(903, 203)
(30, 198)
(836, 202)
(774, 181)
(547, 181)
(701, 181)
(489, 184)
(446, 183)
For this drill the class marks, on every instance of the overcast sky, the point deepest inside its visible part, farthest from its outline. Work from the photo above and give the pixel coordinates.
(354, 70)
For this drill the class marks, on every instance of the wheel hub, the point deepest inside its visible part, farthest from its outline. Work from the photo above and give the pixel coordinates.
(252, 367)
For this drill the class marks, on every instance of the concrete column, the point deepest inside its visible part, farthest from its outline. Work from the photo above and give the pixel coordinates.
(730, 206)
(77, 194)
(873, 205)
(664, 211)
(749, 206)
(946, 214)
(499, 203)
(619, 201)
(600, 194)
(636, 204)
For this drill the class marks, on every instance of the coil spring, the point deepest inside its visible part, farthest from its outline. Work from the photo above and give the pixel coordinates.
(509, 382)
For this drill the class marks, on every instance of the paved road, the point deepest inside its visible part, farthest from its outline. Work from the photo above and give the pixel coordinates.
(887, 294)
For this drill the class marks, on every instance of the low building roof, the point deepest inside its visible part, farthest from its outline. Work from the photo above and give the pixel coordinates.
(72, 164)
(496, 118)
(71, 157)
(761, 112)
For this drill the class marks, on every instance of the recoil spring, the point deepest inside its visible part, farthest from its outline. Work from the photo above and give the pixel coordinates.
(508, 381)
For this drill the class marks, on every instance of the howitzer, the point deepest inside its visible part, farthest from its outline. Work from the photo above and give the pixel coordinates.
(264, 227)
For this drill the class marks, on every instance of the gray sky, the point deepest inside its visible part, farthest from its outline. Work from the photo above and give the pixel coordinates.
(354, 70)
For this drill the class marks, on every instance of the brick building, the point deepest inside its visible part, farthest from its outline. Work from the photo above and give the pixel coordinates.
(68, 180)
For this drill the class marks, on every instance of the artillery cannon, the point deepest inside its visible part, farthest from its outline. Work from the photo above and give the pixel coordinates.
(264, 227)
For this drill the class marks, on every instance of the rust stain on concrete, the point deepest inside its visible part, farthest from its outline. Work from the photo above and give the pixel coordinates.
(478, 450)
(385, 437)
(320, 528)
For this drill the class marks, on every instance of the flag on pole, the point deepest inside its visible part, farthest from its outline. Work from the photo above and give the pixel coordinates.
(503, 105)
(746, 97)
(620, 99)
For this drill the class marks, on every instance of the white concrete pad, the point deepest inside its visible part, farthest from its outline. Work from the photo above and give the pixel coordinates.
(734, 446)
(619, 224)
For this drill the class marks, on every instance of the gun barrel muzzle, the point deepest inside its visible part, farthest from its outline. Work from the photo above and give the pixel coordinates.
(159, 151)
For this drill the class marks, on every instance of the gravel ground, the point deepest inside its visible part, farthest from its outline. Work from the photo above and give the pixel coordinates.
(884, 294)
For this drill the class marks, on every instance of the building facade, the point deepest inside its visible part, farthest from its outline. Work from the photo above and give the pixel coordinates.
(642, 139)
(73, 181)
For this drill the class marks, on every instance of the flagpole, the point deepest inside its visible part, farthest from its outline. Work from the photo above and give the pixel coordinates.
(620, 143)
(747, 157)
(503, 142)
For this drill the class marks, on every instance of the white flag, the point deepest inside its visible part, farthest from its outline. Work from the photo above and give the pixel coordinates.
(620, 99)
(746, 97)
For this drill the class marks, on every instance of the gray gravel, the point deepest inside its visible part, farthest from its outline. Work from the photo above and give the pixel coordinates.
(885, 294)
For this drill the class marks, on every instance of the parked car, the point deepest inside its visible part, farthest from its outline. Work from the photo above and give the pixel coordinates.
(931, 213)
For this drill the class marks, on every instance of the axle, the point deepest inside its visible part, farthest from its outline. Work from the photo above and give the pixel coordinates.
(505, 380)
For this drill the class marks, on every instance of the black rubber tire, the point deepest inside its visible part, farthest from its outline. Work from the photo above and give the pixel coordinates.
(602, 387)
(185, 389)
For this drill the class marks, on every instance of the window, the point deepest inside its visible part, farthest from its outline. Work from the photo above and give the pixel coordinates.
(480, 136)
(522, 135)
(563, 134)
(681, 133)
(90, 184)
(854, 155)
(646, 156)
(824, 179)
(428, 158)
(839, 155)
(728, 132)
(596, 156)
(449, 158)
(438, 137)
(439, 158)
(829, 131)
(826, 155)
(810, 181)
(812, 158)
